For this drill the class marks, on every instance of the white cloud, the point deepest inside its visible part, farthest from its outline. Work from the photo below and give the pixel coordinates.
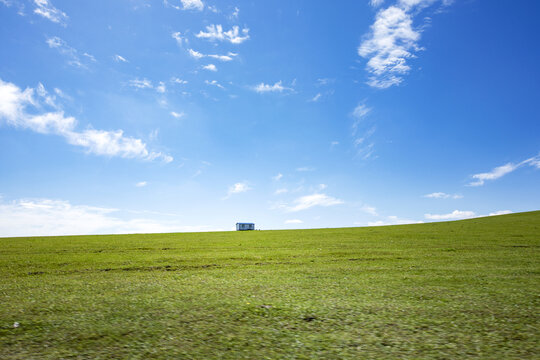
(454, 215)
(13, 109)
(360, 111)
(213, 9)
(322, 186)
(294, 221)
(70, 53)
(392, 40)
(237, 188)
(494, 174)
(316, 97)
(196, 5)
(141, 184)
(277, 177)
(192, 5)
(141, 84)
(227, 57)
(500, 212)
(179, 81)
(280, 191)
(195, 54)
(369, 210)
(235, 13)
(364, 147)
(264, 88)
(441, 195)
(161, 88)
(215, 32)
(391, 220)
(47, 10)
(500, 171)
(376, 3)
(46, 217)
(119, 58)
(309, 201)
(178, 37)
(210, 67)
(214, 83)
(198, 55)
(177, 115)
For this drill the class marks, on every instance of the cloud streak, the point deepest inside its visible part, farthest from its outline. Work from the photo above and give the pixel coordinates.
(47, 10)
(500, 171)
(70, 53)
(198, 55)
(14, 106)
(309, 201)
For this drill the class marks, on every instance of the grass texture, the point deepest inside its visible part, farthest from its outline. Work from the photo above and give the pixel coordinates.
(450, 290)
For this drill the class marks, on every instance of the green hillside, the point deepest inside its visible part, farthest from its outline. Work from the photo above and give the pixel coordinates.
(441, 290)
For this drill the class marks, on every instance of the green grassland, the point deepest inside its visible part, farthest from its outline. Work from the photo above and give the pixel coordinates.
(464, 289)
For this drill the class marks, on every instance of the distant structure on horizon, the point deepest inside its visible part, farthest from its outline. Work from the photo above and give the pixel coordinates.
(245, 226)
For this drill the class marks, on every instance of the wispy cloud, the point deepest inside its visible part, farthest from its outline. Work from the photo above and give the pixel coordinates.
(376, 3)
(503, 170)
(365, 148)
(235, 13)
(15, 102)
(441, 195)
(316, 97)
(265, 88)
(196, 5)
(390, 220)
(237, 188)
(70, 53)
(119, 58)
(213, 9)
(210, 67)
(454, 215)
(178, 37)
(47, 217)
(281, 191)
(198, 55)
(392, 41)
(161, 88)
(500, 212)
(141, 84)
(277, 177)
(305, 168)
(46, 9)
(215, 32)
(179, 81)
(369, 210)
(177, 115)
(141, 184)
(214, 83)
(309, 201)
(294, 221)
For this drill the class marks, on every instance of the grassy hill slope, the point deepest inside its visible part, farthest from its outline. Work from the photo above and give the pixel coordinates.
(441, 290)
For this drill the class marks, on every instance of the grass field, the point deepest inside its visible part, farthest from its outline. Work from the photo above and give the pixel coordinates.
(441, 290)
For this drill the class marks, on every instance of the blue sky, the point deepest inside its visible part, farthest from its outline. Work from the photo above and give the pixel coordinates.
(191, 115)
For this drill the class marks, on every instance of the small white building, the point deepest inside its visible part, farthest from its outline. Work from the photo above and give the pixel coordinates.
(245, 226)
